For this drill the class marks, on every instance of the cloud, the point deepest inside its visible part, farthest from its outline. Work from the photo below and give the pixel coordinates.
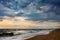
(52, 2)
(15, 4)
(29, 14)
(6, 10)
(38, 10)
(20, 22)
(42, 11)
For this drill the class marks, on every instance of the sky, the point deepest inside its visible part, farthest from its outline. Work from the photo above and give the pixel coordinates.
(20, 13)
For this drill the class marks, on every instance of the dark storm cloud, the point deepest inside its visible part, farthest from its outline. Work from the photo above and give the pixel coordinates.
(51, 13)
(15, 4)
(35, 10)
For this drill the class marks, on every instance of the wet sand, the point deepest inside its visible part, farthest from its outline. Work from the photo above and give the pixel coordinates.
(54, 35)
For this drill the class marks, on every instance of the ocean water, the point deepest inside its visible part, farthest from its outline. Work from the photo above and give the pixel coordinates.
(26, 35)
